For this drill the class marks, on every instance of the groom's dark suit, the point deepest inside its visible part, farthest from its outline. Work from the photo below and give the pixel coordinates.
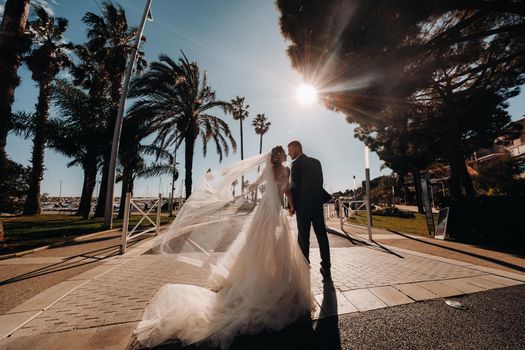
(309, 196)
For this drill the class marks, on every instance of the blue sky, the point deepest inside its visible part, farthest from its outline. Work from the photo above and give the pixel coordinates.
(240, 44)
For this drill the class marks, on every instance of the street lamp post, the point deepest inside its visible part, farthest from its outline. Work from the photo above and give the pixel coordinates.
(367, 200)
(108, 213)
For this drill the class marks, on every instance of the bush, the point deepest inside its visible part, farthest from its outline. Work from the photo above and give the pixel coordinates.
(487, 219)
(395, 212)
(14, 188)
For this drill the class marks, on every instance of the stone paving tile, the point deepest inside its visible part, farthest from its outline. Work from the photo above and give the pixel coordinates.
(391, 296)
(364, 299)
(121, 294)
(440, 289)
(416, 292)
(118, 296)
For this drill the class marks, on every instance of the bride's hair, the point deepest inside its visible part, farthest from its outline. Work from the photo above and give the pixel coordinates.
(275, 157)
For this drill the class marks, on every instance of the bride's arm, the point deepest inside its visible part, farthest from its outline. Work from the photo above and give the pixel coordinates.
(254, 185)
(288, 193)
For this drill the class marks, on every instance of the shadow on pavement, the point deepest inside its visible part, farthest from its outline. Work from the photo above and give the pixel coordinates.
(71, 262)
(482, 257)
(360, 242)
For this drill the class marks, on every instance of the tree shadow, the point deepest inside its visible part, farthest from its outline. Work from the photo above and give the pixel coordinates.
(482, 257)
(359, 242)
(71, 262)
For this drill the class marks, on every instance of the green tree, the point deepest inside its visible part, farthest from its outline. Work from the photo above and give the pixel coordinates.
(240, 112)
(77, 135)
(261, 125)
(49, 55)
(372, 56)
(13, 44)
(111, 41)
(13, 190)
(182, 102)
(500, 177)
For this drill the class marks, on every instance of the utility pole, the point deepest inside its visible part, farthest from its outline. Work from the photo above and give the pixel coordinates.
(108, 213)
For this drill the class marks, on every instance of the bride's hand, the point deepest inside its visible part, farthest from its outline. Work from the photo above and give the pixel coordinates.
(291, 211)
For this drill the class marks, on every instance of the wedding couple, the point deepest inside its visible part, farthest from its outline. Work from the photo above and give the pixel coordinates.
(259, 268)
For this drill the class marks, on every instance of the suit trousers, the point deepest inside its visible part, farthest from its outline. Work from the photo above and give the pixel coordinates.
(306, 218)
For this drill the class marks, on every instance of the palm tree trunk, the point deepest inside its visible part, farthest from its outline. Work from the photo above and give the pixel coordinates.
(12, 44)
(90, 178)
(260, 145)
(242, 155)
(188, 162)
(32, 204)
(101, 202)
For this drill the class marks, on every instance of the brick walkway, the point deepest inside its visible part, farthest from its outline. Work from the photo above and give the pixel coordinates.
(364, 278)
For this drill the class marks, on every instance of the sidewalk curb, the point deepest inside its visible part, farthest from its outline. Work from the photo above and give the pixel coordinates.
(73, 239)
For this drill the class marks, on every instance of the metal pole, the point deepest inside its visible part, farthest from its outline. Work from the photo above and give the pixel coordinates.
(125, 225)
(159, 207)
(108, 213)
(340, 213)
(171, 200)
(367, 200)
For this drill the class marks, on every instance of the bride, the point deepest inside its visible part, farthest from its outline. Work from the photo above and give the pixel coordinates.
(259, 279)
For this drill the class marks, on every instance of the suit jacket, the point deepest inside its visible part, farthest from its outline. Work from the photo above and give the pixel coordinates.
(307, 184)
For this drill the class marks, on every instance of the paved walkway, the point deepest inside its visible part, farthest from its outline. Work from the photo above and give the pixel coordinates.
(100, 307)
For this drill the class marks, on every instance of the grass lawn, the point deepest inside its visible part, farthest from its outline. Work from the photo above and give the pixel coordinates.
(417, 225)
(28, 232)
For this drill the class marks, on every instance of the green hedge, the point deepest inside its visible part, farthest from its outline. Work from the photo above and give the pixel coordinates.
(394, 212)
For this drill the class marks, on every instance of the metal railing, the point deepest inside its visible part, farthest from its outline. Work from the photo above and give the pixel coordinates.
(134, 233)
(349, 209)
(329, 210)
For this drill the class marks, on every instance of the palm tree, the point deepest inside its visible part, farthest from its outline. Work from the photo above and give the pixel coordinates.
(47, 58)
(77, 135)
(110, 37)
(13, 43)
(262, 125)
(182, 102)
(136, 127)
(240, 112)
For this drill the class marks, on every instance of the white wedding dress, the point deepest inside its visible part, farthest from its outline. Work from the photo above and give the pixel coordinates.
(262, 277)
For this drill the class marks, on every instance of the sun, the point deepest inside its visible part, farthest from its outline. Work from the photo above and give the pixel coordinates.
(306, 94)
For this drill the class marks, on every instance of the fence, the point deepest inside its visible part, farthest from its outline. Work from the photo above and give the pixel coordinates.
(134, 233)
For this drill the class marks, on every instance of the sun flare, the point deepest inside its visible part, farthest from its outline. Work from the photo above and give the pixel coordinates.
(306, 94)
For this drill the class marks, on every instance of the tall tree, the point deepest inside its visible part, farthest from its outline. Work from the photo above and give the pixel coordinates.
(183, 103)
(112, 40)
(371, 55)
(49, 55)
(240, 112)
(13, 43)
(78, 133)
(261, 125)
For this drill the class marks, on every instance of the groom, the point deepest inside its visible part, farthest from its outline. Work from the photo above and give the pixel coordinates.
(309, 197)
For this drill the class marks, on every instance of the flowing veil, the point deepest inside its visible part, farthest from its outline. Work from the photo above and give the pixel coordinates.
(211, 218)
